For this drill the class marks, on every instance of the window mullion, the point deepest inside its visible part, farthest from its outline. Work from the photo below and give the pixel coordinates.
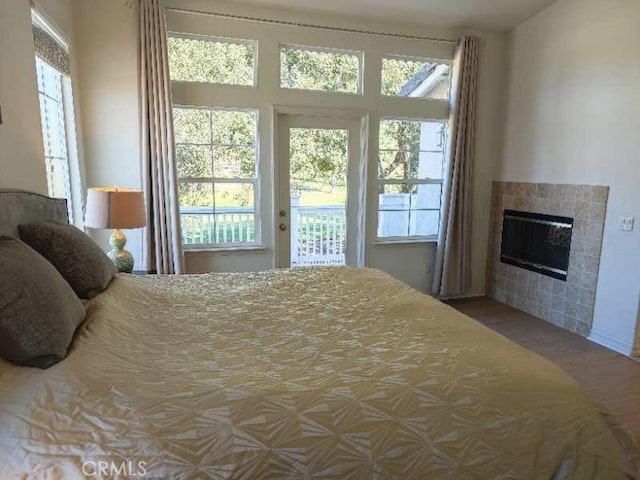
(411, 181)
(214, 179)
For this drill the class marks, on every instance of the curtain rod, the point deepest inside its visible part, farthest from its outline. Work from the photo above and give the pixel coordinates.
(310, 25)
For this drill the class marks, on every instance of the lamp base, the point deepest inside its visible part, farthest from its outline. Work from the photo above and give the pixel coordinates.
(120, 257)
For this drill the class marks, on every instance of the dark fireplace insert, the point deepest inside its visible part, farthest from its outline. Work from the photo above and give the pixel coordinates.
(536, 242)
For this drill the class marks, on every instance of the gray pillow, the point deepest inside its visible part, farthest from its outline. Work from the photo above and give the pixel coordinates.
(79, 259)
(39, 312)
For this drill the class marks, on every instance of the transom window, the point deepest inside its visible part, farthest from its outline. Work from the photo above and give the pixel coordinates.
(307, 68)
(211, 60)
(415, 78)
(410, 173)
(216, 169)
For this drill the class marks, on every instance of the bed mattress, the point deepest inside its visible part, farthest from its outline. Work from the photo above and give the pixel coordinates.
(297, 374)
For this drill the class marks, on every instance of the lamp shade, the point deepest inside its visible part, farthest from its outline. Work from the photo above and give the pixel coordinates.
(113, 207)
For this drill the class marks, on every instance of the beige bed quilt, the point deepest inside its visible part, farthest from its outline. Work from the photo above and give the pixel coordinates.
(324, 373)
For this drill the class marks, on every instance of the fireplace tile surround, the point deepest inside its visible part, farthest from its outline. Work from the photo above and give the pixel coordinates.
(566, 304)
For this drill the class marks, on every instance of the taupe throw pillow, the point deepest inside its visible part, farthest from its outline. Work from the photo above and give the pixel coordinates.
(39, 312)
(79, 259)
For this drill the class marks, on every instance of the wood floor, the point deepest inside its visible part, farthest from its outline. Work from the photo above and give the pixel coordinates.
(608, 377)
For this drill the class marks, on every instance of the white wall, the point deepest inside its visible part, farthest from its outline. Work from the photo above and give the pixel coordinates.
(59, 13)
(572, 117)
(21, 148)
(108, 96)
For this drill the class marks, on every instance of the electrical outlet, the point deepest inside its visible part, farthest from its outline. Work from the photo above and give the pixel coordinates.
(626, 224)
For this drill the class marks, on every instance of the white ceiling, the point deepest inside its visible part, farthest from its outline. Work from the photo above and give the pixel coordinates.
(485, 14)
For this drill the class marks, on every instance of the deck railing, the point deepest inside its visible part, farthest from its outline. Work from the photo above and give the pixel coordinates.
(318, 233)
(200, 225)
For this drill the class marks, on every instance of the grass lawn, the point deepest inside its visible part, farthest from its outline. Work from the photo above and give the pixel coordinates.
(316, 195)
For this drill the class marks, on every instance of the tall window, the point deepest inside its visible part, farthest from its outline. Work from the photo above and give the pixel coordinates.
(54, 132)
(215, 148)
(410, 172)
(53, 75)
(216, 165)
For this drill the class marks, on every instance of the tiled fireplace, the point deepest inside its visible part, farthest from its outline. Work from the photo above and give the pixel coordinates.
(573, 216)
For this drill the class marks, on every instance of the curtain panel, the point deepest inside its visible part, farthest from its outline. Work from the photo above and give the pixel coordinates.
(452, 273)
(163, 245)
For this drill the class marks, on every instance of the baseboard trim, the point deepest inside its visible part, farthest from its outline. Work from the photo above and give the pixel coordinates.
(605, 340)
(469, 295)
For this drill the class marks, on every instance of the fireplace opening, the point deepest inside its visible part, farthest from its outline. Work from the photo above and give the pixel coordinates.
(536, 242)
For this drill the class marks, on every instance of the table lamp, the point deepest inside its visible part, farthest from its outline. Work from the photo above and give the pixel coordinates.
(116, 208)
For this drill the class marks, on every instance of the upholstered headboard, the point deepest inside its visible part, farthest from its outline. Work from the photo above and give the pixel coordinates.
(19, 207)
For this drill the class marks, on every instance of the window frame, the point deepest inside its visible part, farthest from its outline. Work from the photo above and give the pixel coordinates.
(413, 58)
(272, 101)
(381, 182)
(291, 46)
(76, 181)
(219, 39)
(255, 181)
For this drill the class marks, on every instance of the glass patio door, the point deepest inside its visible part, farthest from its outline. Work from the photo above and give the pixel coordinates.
(318, 183)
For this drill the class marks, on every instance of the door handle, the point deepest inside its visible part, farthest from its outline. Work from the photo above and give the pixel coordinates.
(282, 227)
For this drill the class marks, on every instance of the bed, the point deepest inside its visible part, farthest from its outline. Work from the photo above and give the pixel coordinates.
(327, 373)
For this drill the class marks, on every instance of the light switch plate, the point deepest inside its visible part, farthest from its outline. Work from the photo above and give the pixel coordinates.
(626, 224)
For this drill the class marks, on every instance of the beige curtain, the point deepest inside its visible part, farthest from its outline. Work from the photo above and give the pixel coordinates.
(162, 242)
(452, 274)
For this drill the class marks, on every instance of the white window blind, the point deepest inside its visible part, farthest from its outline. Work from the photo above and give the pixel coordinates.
(51, 51)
